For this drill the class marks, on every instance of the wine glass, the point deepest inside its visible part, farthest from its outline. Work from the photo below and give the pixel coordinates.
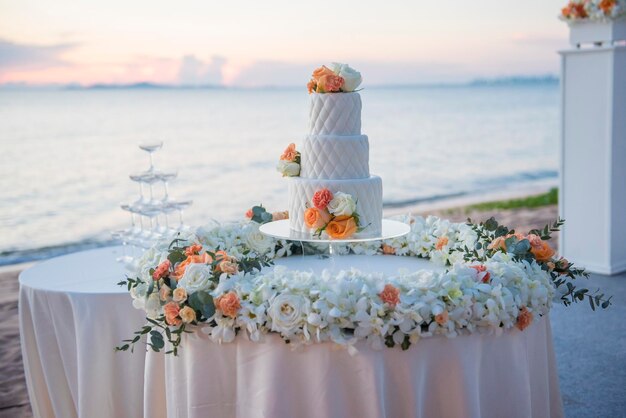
(150, 147)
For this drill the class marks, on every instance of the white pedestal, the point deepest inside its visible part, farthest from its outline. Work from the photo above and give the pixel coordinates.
(596, 32)
(592, 195)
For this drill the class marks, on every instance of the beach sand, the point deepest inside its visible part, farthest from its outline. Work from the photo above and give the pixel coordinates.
(14, 401)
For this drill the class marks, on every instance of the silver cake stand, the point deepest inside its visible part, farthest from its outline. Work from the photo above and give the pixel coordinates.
(280, 229)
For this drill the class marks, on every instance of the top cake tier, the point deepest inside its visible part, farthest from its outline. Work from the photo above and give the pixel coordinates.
(335, 114)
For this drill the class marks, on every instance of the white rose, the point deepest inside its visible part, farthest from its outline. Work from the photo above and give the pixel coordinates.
(351, 78)
(257, 241)
(342, 204)
(336, 67)
(197, 277)
(288, 168)
(288, 312)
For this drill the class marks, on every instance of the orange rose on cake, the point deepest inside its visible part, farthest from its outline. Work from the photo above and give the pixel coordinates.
(341, 227)
(315, 218)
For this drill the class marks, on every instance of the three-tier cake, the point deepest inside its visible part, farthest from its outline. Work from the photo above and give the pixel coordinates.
(335, 158)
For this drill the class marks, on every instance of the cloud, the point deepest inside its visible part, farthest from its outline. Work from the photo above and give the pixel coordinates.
(195, 72)
(32, 57)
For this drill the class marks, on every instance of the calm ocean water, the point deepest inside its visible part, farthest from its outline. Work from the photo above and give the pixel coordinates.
(65, 155)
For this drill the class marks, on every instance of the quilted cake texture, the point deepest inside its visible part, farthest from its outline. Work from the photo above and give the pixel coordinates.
(368, 192)
(335, 114)
(335, 157)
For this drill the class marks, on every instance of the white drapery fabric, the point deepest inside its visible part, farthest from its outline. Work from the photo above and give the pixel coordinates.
(510, 375)
(72, 315)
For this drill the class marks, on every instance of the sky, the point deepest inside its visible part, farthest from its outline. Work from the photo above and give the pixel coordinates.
(260, 43)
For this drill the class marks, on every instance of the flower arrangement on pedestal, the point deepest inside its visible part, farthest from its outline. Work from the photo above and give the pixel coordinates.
(599, 10)
(334, 215)
(213, 281)
(339, 78)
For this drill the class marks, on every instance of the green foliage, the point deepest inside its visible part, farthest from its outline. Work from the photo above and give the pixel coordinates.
(260, 215)
(202, 302)
(549, 198)
(561, 271)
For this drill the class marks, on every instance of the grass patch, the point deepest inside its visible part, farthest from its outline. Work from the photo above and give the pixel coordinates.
(546, 199)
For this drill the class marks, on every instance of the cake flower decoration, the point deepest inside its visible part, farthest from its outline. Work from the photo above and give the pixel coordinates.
(334, 214)
(289, 162)
(338, 78)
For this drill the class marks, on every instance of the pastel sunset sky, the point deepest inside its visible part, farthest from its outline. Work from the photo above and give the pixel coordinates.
(256, 43)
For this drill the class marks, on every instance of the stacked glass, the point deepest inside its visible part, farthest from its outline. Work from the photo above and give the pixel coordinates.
(149, 215)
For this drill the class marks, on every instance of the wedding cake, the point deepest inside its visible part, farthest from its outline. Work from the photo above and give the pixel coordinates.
(331, 190)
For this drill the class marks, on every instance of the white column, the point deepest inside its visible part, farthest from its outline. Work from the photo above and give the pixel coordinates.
(592, 196)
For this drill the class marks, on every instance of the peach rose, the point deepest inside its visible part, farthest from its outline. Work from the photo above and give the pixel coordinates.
(329, 83)
(290, 153)
(187, 314)
(534, 240)
(341, 227)
(390, 295)
(180, 295)
(321, 71)
(482, 269)
(222, 255)
(279, 216)
(311, 86)
(229, 304)
(442, 318)
(171, 311)
(388, 249)
(543, 252)
(524, 319)
(162, 270)
(228, 267)
(164, 292)
(322, 198)
(315, 218)
(441, 242)
(179, 271)
(497, 244)
(193, 249)
(249, 213)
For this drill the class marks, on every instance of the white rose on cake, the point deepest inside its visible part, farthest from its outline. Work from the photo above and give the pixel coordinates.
(351, 78)
(288, 168)
(342, 204)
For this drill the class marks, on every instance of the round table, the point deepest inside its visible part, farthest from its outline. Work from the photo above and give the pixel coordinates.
(510, 375)
(72, 315)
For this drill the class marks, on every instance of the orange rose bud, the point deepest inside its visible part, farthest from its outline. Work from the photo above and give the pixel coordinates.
(341, 227)
(388, 249)
(524, 319)
(229, 304)
(179, 271)
(441, 242)
(543, 252)
(290, 153)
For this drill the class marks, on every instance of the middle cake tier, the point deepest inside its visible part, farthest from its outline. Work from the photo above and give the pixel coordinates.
(335, 157)
(368, 193)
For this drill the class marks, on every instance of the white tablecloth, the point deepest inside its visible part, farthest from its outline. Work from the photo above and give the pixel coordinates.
(512, 375)
(72, 315)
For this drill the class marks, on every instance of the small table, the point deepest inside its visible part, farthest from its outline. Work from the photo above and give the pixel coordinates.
(72, 315)
(511, 375)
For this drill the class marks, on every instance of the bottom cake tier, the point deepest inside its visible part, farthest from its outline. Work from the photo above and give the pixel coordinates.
(368, 193)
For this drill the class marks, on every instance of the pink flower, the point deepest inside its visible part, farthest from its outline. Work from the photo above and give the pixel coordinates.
(388, 249)
(249, 213)
(290, 153)
(322, 198)
(482, 271)
(524, 319)
(171, 311)
(390, 295)
(162, 270)
(329, 83)
(164, 292)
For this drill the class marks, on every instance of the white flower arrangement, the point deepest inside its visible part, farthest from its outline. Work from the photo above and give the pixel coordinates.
(215, 279)
(594, 10)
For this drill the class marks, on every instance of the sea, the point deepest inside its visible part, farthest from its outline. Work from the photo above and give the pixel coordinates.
(66, 153)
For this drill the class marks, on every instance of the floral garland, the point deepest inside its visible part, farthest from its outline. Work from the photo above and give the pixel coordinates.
(338, 78)
(597, 10)
(213, 279)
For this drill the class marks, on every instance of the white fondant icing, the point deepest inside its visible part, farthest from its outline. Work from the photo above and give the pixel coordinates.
(335, 114)
(368, 192)
(335, 157)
